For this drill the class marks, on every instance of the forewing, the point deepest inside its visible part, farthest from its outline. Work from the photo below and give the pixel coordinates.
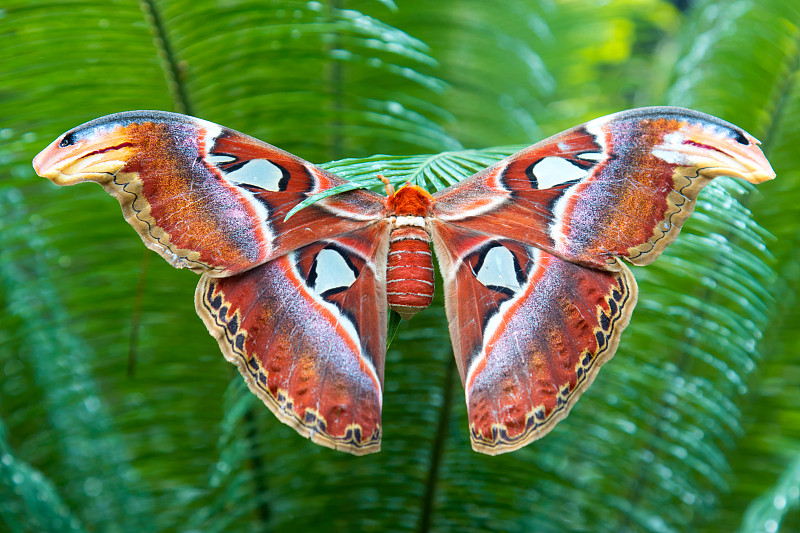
(530, 331)
(308, 333)
(618, 186)
(201, 195)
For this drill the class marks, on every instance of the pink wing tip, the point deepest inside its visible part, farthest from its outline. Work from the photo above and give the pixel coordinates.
(43, 162)
(763, 171)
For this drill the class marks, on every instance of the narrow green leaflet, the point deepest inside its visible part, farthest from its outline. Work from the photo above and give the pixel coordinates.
(394, 326)
(28, 500)
(765, 514)
(433, 172)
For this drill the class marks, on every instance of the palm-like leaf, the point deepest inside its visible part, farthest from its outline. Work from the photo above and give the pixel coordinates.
(119, 413)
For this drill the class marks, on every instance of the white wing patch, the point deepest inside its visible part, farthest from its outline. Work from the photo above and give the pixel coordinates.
(258, 173)
(498, 269)
(219, 159)
(552, 171)
(497, 320)
(592, 156)
(672, 150)
(332, 271)
(212, 132)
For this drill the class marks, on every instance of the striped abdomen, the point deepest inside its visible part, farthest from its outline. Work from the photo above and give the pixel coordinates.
(409, 271)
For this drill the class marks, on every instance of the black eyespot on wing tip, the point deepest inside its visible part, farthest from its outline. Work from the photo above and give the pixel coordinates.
(741, 138)
(67, 140)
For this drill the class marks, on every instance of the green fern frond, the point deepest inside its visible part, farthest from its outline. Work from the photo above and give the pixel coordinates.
(693, 421)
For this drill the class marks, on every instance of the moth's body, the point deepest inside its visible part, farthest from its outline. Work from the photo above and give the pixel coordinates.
(409, 266)
(532, 252)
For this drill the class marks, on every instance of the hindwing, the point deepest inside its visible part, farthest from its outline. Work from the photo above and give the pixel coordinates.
(308, 333)
(530, 332)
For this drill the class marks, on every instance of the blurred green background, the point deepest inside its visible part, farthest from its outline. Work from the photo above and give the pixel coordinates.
(118, 412)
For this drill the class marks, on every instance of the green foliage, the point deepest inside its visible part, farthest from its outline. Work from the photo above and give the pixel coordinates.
(117, 412)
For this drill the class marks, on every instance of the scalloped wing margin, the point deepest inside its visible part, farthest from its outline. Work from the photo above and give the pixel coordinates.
(307, 331)
(530, 332)
(203, 196)
(618, 186)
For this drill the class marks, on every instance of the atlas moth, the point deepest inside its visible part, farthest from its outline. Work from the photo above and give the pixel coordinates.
(533, 252)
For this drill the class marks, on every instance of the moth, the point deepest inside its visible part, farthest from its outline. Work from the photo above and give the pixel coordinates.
(533, 251)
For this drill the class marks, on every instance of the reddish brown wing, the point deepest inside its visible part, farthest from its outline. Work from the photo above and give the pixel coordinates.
(618, 186)
(531, 325)
(530, 331)
(308, 333)
(302, 311)
(201, 195)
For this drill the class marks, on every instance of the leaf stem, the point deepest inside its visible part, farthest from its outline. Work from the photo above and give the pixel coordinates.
(263, 510)
(136, 314)
(173, 69)
(438, 449)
